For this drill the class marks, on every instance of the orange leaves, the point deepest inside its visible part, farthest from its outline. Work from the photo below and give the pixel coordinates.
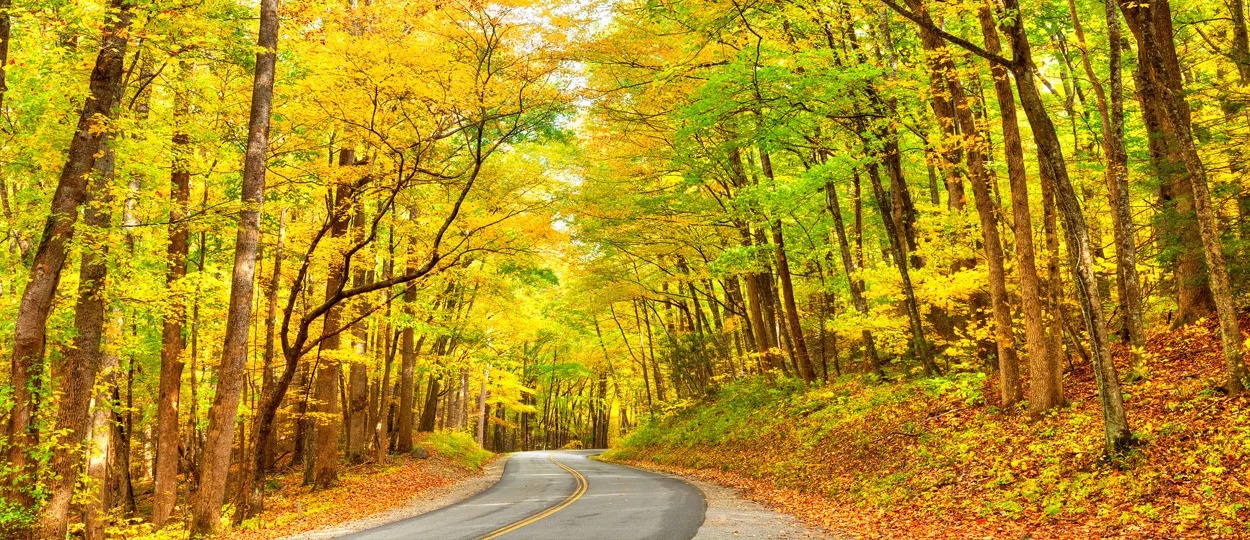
(915, 459)
(362, 491)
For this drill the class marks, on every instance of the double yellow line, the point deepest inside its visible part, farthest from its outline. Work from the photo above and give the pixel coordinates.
(582, 486)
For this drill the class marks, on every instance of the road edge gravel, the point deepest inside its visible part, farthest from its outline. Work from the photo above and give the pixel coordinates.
(425, 502)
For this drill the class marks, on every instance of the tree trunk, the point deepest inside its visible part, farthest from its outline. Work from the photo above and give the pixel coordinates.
(920, 347)
(871, 360)
(83, 359)
(30, 329)
(1112, 116)
(215, 464)
(408, 362)
(99, 501)
(481, 408)
(1160, 88)
(944, 110)
(358, 372)
(1042, 393)
(265, 448)
(330, 369)
(1080, 253)
(793, 324)
(165, 486)
(942, 69)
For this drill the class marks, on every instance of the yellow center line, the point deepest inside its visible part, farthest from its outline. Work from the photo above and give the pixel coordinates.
(582, 486)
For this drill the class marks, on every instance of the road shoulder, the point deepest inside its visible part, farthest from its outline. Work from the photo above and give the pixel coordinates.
(730, 515)
(427, 501)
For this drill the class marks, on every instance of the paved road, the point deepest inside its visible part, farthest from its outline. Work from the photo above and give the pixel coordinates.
(562, 495)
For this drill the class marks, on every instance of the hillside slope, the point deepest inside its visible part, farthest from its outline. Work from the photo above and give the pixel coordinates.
(932, 458)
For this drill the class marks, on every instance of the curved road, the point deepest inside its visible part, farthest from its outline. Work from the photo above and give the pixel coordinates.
(562, 495)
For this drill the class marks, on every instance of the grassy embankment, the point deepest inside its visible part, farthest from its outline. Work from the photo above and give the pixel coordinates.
(937, 458)
(362, 490)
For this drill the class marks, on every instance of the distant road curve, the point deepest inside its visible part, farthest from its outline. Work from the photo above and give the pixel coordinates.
(562, 495)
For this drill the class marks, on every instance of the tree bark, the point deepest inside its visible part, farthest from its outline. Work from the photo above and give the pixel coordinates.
(1160, 88)
(1042, 393)
(920, 347)
(408, 362)
(358, 371)
(793, 324)
(1080, 253)
(215, 464)
(330, 369)
(83, 359)
(1111, 113)
(165, 483)
(871, 360)
(481, 408)
(30, 329)
(975, 146)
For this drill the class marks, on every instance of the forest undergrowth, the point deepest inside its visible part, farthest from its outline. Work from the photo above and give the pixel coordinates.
(937, 457)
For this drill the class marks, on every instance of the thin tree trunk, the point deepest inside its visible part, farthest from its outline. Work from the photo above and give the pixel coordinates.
(920, 347)
(98, 500)
(215, 465)
(481, 408)
(852, 276)
(165, 486)
(271, 320)
(793, 324)
(1080, 253)
(1111, 114)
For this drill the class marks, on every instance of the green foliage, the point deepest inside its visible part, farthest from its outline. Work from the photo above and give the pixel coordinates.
(459, 447)
(15, 519)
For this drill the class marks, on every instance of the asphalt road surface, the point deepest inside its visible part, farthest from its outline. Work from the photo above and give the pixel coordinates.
(562, 495)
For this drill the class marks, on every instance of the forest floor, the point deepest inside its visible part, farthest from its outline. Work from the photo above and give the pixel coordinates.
(939, 458)
(366, 495)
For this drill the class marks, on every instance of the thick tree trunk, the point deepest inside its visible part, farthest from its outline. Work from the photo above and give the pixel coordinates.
(358, 372)
(165, 486)
(408, 361)
(83, 359)
(429, 411)
(979, 177)
(30, 329)
(215, 464)
(1042, 393)
(330, 369)
(1160, 88)
(1168, 129)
